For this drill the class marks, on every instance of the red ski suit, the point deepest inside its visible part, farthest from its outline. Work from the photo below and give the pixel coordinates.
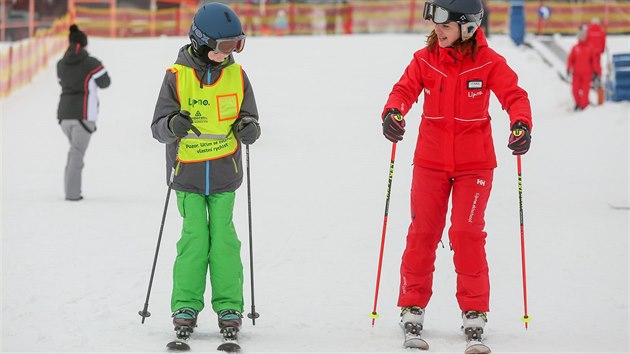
(454, 154)
(582, 63)
(596, 39)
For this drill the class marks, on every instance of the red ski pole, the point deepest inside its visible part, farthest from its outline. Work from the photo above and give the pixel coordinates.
(525, 318)
(374, 314)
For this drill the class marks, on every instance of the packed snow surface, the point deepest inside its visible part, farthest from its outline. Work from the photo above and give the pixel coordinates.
(75, 274)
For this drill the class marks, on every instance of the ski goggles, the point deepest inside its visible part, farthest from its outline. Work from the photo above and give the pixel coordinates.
(227, 45)
(440, 15)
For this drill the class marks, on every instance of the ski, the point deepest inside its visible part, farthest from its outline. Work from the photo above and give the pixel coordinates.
(414, 341)
(179, 345)
(229, 345)
(230, 340)
(476, 347)
(618, 207)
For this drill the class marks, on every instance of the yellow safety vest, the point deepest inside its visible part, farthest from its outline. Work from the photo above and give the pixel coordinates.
(213, 109)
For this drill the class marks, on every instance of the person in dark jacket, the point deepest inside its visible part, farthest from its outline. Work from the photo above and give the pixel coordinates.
(454, 158)
(80, 75)
(205, 112)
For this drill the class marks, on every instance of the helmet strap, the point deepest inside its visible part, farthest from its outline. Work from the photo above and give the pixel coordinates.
(199, 51)
(468, 30)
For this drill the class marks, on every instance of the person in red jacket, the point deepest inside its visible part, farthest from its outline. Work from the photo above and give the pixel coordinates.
(582, 66)
(596, 39)
(454, 156)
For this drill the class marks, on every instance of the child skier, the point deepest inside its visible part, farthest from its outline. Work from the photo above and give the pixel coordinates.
(582, 66)
(454, 156)
(205, 110)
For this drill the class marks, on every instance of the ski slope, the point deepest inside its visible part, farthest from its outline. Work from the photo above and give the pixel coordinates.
(75, 275)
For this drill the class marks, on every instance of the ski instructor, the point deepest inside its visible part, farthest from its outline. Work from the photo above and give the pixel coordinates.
(205, 112)
(454, 158)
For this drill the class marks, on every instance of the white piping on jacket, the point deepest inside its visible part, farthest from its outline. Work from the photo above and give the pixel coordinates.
(432, 67)
(479, 67)
(471, 120)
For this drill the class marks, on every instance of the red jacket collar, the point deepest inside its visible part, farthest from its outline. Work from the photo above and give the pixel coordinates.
(451, 55)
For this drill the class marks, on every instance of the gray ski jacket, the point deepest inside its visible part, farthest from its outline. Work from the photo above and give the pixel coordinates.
(206, 177)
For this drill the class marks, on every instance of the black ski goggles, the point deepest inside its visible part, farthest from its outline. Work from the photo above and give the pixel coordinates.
(440, 15)
(228, 45)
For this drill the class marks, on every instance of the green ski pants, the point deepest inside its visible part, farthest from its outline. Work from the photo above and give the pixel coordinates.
(208, 241)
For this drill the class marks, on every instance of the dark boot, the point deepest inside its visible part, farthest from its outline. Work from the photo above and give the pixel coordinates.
(185, 320)
(230, 318)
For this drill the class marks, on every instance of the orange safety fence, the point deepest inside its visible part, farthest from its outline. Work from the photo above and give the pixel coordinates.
(135, 22)
(351, 17)
(406, 16)
(297, 19)
(566, 18)
(21, 61)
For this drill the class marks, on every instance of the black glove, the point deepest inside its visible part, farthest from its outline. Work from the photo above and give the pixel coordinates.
(247, 130)
(520, 139)
(394, 126)
(181, 123)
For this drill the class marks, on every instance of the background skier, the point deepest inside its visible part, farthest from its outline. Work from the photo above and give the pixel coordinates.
(596, 39)
(205, 111)
(582, 66)
(80, 75)
(454, 155)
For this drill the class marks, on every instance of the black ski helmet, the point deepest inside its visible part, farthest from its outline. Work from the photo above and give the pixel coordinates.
(460, 6)
(213, 21)
(469, 13)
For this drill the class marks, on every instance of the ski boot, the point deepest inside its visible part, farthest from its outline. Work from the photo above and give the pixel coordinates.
(184, 320)
(473, 325)
(411, 321)
(230, 323)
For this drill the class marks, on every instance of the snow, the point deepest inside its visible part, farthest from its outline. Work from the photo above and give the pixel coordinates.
(75, 275)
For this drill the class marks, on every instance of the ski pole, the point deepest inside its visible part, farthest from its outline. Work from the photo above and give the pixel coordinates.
(374, 314)
(253, 315)
(144, 312)
(525, 318)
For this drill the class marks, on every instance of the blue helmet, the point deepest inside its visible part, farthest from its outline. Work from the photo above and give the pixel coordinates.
(213, 21)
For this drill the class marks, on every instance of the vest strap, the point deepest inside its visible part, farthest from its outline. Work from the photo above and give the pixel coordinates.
(206, 136)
